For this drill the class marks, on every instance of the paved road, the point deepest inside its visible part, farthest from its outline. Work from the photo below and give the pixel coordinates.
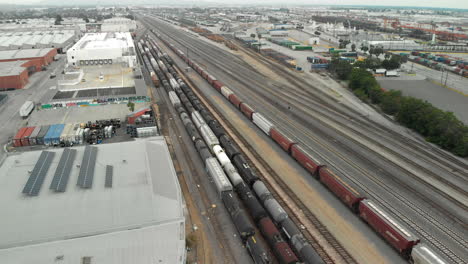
(397, 175)
(38, 86)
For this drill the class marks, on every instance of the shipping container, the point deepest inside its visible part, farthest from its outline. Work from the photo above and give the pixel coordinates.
(33, 136)
(19, 135)
(42, 134)
(394, 232)
(280, 138)
(262, 122)
(58, 132)
(246, 110)
(235, 100)
(26, 135)
(305, 159)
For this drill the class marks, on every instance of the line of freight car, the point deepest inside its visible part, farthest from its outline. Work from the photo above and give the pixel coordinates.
(382, 222)
(287, 254)
(281, 249)
(284, 255)
(240, 219)
(230, 204)
(305, 250)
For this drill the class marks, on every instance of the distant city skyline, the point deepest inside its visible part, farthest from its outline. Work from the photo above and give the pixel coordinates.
(455, 4)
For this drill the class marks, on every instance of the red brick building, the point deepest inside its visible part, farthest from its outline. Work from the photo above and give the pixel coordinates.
(17, 65)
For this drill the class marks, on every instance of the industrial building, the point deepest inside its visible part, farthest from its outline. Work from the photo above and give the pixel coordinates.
(13, 75)
(118, 24)
(17, 65)
(103, 48)
(37, 40)
(109, 203)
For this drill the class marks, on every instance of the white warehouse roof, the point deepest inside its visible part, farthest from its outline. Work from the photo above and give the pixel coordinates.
(121, 40)
(138, 220)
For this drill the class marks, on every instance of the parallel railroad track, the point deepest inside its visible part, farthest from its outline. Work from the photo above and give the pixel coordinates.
(401, 215)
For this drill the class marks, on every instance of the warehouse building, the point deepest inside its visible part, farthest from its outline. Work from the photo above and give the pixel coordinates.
(17, 65)
(118, 24)
(37, 40)
(108, 204)
(103, 48)
(13, 75)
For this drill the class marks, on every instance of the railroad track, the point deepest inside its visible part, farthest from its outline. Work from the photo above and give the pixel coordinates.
(216, 226)
(461, 166)
(278, 182)
(408, 221)
(344, 256)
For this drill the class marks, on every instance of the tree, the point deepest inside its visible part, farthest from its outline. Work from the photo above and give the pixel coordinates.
(353, 47)
(131, 106)
(342, 68)
(252, 35)
(391, 102)
(364, 48)
(378, 51)
(58, 20)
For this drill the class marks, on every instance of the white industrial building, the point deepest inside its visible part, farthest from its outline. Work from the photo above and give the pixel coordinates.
(59, 39)
(118, 24)
(127, 208)
(103, 48)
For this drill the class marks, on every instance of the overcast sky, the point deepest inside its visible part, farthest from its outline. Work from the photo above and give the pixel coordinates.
(420, 3)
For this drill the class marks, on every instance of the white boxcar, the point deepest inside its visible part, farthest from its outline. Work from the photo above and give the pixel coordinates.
(174, 99)
(210, 138)
(198, 119)
(217, 174)
(226, 92)
(422, 254)
(264, 124)
(174, 84)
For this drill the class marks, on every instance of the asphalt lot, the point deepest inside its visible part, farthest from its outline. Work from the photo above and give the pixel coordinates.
(440, 97)
(38, 86)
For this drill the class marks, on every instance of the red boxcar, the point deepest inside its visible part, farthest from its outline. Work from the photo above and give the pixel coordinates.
(281, 139)
(25, 136)
(234, 100)
(18, 136)
(210, 78)
(395, 234)
(246, 110)
(347, 193)
(283, 252)
(305, 159)
(217, 85)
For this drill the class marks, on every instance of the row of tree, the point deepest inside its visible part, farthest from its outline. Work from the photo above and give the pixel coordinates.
(437, 126)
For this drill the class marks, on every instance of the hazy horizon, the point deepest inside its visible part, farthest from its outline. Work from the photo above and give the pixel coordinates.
(453, 4)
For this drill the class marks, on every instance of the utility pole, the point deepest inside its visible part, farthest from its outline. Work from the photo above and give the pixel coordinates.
(446, 78)
(442, 76)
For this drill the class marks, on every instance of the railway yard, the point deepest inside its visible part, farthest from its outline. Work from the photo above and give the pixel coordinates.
(194, 145)
(420, 186)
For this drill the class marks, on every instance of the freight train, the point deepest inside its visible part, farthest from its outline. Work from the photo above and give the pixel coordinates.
(395, 233)
(210, 138)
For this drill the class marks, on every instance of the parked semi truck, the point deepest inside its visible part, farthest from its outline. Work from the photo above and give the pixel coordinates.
(26, 109)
